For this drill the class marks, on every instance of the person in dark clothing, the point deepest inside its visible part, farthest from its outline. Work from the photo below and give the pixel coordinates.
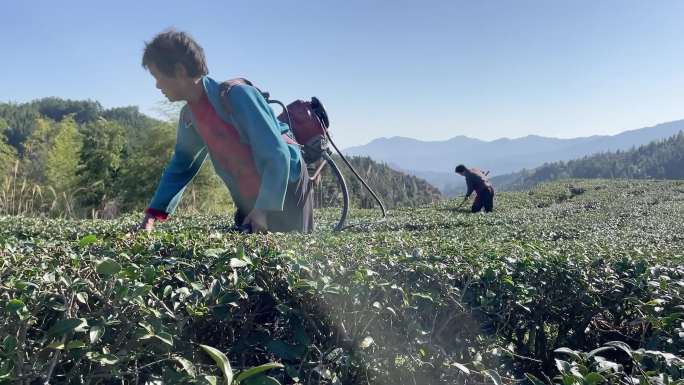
(477, 181)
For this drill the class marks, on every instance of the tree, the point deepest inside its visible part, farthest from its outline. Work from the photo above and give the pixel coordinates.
(662, 159)
(63, 156)
(143, 165)
(8, 155)
(20, 119)
(82, 111)
(103, 144)
(36, 148)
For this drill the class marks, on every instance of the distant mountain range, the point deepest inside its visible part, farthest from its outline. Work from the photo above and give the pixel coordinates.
(434, 161)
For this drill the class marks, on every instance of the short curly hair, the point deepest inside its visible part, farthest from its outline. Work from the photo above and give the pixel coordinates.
(172, 47)
(460, 168)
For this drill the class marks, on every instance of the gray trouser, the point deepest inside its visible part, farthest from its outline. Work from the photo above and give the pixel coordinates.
(297, 214)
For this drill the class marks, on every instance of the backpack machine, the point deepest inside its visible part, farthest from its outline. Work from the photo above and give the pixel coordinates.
(309, 124)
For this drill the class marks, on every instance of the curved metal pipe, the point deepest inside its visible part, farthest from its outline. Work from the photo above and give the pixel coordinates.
(363, 182)
(345, 192)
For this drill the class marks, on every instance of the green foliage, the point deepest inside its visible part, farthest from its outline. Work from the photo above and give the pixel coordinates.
(221, 361)
(131, 118)
(657, 160)
(148, 151)
(206, 194)
(21, 118)
(101, 159)
(36, 149)
(64, 156)
(79, 160)
(569, 283)
(394, 188)
(8, 155)
(56, 109)
(20, 121)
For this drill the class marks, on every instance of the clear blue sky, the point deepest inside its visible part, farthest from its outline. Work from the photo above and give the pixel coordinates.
(423, 69)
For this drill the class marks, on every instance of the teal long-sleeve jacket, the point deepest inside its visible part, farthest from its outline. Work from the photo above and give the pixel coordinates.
(277, 162)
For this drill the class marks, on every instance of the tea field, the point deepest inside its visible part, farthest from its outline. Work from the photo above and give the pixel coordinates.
(576, 282)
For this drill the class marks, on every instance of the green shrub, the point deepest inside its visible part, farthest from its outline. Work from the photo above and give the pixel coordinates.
(556, 286)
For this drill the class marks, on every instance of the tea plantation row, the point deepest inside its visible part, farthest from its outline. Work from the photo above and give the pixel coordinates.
(579, 282)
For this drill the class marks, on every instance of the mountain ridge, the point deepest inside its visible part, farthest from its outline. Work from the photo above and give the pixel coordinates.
(435, 160)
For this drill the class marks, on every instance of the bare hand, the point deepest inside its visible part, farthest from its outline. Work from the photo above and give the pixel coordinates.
(147, 223)
(257, 220)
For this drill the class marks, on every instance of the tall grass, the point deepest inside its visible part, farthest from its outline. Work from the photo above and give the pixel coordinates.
(19, 196)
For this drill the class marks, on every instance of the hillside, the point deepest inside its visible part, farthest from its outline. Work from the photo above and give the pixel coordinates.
(81, 160)
(394, 188)
(569, 283)
(434, 161)
(662, 159)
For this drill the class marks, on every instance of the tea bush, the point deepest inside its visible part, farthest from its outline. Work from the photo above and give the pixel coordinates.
(576, 282)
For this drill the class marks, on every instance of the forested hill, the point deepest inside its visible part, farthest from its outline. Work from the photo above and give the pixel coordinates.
(76, 158)
(657, 160)
(394, 188)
